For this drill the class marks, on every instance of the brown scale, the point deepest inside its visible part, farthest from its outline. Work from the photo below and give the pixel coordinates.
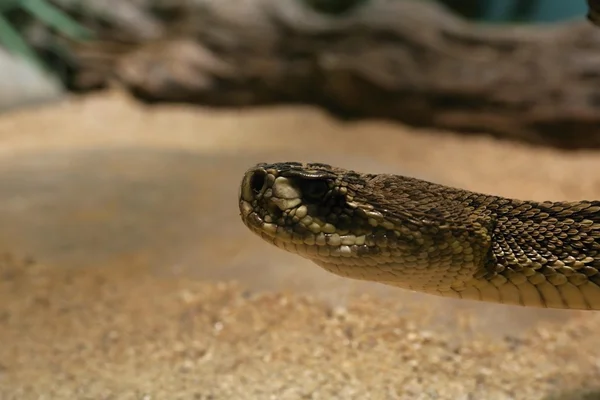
(553, 232)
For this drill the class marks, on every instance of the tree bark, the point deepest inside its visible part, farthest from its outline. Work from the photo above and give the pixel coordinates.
(411, 61)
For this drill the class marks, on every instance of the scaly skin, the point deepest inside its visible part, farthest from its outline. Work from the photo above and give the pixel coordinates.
(427, 237)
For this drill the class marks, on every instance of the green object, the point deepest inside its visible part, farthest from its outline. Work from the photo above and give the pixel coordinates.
(47, 14)
(6, 5)
(15, 43)
(55, 18)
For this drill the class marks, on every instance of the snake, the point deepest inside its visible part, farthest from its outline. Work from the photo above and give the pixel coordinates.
(426, 237)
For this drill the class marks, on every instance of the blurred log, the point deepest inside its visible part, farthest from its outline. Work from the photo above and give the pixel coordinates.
(410, 61)
(593, 14)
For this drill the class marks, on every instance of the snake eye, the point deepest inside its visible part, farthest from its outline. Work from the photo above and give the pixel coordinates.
(314, 189)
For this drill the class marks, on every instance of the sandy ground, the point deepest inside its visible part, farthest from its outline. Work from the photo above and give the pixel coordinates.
(131, 215)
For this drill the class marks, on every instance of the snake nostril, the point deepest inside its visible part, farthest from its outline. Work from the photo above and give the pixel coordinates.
(257, 181)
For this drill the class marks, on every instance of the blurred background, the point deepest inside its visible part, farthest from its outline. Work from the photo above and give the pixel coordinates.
(528, 11)
(150, 112)
(39, 38)
(126, 125)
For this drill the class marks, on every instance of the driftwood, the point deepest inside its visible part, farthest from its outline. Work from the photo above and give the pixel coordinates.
(593, 13)
(411, 61)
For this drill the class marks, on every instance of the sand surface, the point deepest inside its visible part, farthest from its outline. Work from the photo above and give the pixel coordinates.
(147, 286)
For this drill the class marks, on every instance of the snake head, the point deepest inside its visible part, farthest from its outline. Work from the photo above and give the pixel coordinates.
(306, 209)
(382, 228)
(329, 215)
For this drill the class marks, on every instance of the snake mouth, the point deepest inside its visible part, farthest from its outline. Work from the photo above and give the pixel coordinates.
(305, 212)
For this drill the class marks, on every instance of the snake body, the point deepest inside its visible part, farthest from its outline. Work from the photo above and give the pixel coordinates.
(427, 237)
